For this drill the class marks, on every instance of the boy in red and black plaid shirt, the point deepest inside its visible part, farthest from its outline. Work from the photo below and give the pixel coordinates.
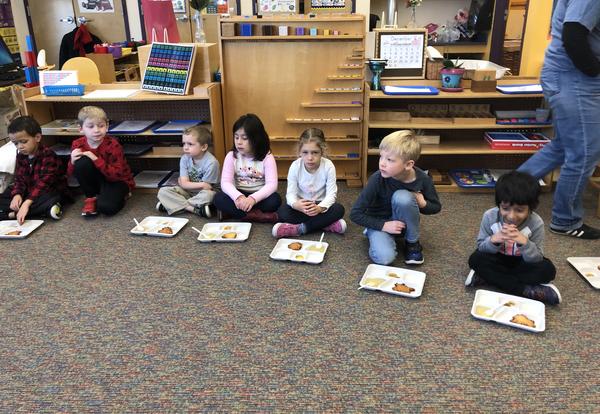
(40, 180)
(98, 163)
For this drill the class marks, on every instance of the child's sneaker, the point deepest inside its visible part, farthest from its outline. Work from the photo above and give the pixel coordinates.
(413, 253)
(203, 211)
(473, 280)
(546, 292)
(55, 211)
(160, 208)
(338, 226)
(89, 207)
(285, 230)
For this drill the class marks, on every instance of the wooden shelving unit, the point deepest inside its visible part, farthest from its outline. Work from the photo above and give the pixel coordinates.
(296, 82)
(462, 144)
(205, 105)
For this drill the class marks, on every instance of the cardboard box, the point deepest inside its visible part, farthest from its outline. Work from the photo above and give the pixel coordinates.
(483, 85)
(227, 29)
(390, 116)
(6, 116)
(202, 71)
(433, 69)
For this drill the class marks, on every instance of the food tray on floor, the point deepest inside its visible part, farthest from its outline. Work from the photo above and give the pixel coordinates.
(588, 268)
(10, 229)
(225, 232)
(159, 226)
(303, 251)
(510, 310)
(393, 280)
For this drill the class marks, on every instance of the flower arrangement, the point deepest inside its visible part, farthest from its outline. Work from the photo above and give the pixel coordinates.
(413, 3)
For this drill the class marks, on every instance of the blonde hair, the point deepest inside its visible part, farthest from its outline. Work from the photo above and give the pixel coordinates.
(313, 135)
(91, 112)
(201, 134)
(403, 144)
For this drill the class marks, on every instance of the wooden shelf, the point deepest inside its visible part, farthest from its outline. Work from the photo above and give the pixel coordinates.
(465, 94)
(161, 152)
(297, 18)
(329, 139)
(344, 78)
(293, 37)
(447, 125)
(330, 105)
(339, 91)
(347, 67)
(148, 132)
(140, 96)
(461, 147)
(355, 58)
(322, 121)
(330, 156)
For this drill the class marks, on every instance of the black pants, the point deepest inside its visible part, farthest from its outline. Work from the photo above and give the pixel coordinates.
(225, 204)
(511, 273)
(315, 223)
(110, 194)
(39, 207)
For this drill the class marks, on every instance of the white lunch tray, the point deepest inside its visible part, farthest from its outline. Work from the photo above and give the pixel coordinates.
(588, 268)
(308, 253)
(532, 309)
(214, 232)
(384, 278)
(151, 225)
(28, 226)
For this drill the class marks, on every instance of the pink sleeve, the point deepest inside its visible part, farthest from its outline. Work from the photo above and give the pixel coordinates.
(227, 180)
(270, 179)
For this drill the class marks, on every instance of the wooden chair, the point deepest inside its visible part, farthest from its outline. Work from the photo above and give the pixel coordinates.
(87, 71)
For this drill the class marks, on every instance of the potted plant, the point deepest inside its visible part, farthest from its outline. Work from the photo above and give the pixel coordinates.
(451, 74)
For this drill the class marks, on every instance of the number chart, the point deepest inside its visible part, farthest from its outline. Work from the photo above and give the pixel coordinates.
(169, 68)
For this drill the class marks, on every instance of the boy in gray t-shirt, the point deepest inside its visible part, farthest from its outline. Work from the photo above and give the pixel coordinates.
(509, 251)
(198, 174)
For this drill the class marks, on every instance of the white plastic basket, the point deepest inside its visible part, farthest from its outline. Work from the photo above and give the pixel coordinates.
(473, 65)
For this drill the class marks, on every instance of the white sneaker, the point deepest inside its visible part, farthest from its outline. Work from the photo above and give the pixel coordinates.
(56, 211)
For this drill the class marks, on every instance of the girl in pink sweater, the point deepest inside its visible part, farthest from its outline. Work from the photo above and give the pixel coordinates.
(249, 177)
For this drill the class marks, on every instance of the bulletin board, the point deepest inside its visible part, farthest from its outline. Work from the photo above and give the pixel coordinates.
(169, 68)
(277, 6)
(404, 50)
(327, 6)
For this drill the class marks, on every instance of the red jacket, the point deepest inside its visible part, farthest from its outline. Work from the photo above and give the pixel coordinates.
(111, 161)
(43, 173)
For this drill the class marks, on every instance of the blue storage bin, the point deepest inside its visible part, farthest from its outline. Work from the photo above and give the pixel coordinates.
(64, 90)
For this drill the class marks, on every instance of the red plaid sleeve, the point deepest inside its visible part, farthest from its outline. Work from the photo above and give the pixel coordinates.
(112, 163)
(21, 173)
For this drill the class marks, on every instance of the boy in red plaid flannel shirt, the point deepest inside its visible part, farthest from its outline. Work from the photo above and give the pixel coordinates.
(98, 163)
(40, 181)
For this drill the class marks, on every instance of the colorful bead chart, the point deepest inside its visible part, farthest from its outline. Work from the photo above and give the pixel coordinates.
(169, 67)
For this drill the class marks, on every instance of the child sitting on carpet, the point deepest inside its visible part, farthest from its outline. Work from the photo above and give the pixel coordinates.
(40, 182)
(311, 192)
(391, 203)
(198, 173)
(509, 251)
(98, 163)
(249, 177)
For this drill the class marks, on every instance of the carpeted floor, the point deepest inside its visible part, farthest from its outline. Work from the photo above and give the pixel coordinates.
(93, 319)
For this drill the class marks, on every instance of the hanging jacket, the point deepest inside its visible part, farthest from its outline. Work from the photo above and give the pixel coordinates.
(76, 43)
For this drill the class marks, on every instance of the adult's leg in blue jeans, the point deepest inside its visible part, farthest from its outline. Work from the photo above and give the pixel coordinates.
(575, 102)
(406, 209)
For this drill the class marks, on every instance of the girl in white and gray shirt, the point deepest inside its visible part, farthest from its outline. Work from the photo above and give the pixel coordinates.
(311, 192)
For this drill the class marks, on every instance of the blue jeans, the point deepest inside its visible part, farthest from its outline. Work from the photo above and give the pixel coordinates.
(382, 245)
(575, 102)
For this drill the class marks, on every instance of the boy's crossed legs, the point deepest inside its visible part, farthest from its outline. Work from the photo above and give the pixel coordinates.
(382, 245)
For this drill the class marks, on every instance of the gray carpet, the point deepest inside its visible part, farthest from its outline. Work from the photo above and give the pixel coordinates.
(93, 319)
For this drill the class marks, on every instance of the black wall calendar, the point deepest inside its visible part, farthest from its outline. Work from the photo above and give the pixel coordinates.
(169, 68)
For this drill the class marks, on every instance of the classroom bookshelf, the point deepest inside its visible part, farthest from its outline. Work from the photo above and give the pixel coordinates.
(297, 81)
(204, 104)
(461, 139)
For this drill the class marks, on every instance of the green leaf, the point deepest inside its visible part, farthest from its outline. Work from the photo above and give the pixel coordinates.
(199, 4)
